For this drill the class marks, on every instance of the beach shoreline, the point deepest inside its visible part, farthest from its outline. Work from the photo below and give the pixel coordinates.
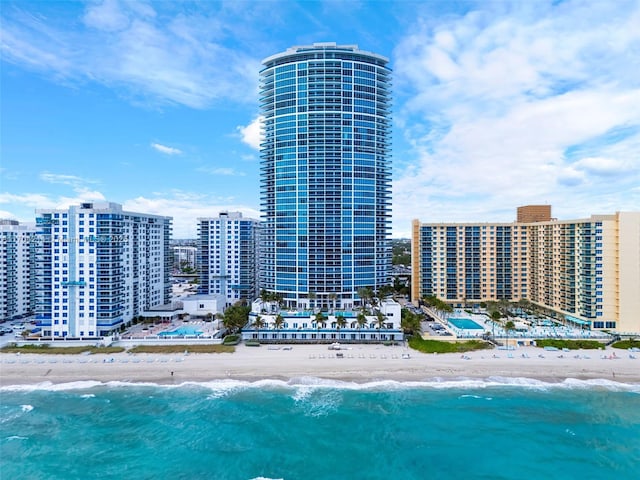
(358, 364)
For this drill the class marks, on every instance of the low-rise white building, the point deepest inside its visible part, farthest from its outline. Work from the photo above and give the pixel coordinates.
(268, 323)
(202, 305)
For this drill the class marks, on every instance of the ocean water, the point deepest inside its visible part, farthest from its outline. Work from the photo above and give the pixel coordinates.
(313, 429)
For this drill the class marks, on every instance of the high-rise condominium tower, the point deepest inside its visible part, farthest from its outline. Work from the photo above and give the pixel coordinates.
(227, 256)
(325, 174)
(17, 255)
(97, 267)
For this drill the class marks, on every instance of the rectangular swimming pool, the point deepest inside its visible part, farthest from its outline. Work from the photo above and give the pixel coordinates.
(465, 323)
(186, 330)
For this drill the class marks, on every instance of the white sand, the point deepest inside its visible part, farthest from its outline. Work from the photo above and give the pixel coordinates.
(360, 363)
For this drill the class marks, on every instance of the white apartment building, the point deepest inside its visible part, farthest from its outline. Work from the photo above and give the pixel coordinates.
(17, 247)
(97, 267)
(227, 256)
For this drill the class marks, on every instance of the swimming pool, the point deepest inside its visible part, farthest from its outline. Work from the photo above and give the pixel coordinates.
(465, 323)
(181, 331)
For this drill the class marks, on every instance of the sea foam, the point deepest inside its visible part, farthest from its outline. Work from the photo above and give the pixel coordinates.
(219, 388)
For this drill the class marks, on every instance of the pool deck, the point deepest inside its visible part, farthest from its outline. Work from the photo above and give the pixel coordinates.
(137, 331)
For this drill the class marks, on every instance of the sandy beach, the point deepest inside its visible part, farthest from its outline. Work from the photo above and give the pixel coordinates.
(359, 363)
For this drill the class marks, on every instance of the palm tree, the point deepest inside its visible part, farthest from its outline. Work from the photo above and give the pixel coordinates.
(312, 296)
(219, 317)
(362, 319)
(340, 322)
(319, 320)
(410, 322)
(507, 328)
(495, 316)
(504, 306)
(332, 297)
(380, 323)
(278, 322)
(524, 304)
(264, 295)
(258, 323)
(365, 294)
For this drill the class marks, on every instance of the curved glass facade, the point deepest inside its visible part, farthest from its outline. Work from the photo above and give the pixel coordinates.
(325, 174)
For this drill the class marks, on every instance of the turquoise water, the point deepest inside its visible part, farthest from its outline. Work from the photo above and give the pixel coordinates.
(309, 429)
(465, 323)
(181, 331)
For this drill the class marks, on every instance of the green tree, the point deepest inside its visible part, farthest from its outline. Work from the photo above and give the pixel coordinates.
(508, 327)
(236, 316)
(258, 323)
(443, 308)
(495, 317)
(361, 319)
(366, 296)
(410, 322)
(380, 319)
(333, 297)
(387, 290)
(340, 322)
(265, 296)
(505, 307)
(320, 319)
(278, 322)
(524, 305)
(312, 297)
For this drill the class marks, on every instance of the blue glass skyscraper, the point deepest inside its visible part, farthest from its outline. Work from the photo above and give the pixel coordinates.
(325, 174)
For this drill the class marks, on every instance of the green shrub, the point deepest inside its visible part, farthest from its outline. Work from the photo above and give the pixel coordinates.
(49, 350)
(436, 346)
(231, 340)
(207, 348)
(626, 344)
(570, 344)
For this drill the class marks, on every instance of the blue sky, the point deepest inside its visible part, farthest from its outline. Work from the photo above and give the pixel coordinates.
(154, 105)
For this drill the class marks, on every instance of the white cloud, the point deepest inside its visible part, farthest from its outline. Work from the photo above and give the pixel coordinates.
(63, 179)
(165, 149)
(159, 58)
(186, 208)
(604, 166)
(41, 200)
(498, 103)
(250, 134)
(33, 200)
(5, 215)
(223, 171)
(106, 16)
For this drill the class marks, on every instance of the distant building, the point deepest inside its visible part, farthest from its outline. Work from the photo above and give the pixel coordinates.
(184, 257)
(227, 256)
(17, 254)
(534, 213)
(98, 266)
(586, 270)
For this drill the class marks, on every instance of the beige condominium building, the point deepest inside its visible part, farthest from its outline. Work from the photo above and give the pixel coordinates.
(587, 270)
